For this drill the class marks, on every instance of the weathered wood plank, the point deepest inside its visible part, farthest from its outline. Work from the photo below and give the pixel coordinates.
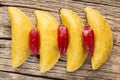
(111, 68)
(115, 3)
(14, 76)
(111, 3)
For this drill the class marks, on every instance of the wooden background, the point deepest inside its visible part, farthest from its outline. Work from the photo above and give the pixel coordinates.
(30, 69)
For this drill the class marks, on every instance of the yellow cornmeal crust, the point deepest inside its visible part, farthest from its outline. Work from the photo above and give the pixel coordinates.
(103, 37)
(21, 26)
(76, 53)
(49, 52)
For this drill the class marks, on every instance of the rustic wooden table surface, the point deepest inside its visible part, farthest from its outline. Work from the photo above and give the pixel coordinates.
(30, 69)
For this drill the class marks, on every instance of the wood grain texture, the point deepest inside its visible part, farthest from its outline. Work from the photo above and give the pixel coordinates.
(30, 69)
(14, 76)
